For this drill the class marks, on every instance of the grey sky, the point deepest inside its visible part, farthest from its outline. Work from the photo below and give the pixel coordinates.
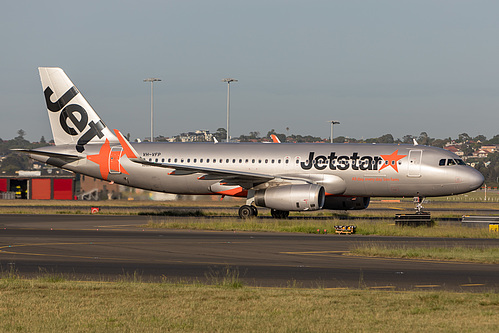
(399, 67)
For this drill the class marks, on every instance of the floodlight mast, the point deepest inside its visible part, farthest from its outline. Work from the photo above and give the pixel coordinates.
(228, 80)
(333, 122)
(152, 80)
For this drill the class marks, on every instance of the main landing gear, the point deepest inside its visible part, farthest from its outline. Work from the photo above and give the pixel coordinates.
(279, 214)
(248, 211)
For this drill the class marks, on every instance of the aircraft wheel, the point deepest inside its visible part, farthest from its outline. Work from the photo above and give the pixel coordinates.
(246, 212)
(279, 214)
(255, 210)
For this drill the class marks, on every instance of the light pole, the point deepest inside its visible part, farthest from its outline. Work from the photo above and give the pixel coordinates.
(152, 80)
(228, 80)
(333, 122)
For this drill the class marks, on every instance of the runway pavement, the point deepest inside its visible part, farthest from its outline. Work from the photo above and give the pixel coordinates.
(113, 247)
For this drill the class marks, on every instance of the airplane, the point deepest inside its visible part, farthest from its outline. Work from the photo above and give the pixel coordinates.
(283, 177)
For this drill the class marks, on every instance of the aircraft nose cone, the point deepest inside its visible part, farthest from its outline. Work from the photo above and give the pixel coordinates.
(474, 179)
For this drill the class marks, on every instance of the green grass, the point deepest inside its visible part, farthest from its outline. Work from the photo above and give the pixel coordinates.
(67, 306)
(364, 227)
(486, 255)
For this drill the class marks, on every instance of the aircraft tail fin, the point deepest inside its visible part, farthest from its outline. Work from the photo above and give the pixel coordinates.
(72, 119)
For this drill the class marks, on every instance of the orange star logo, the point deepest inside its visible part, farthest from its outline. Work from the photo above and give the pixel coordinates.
(392, 160)
(108, 160)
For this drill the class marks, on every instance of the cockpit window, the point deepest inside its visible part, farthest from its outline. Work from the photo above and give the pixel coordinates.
(451, 161)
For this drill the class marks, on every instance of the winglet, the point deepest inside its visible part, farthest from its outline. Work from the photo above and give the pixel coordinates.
(275, 139)
(130, 152)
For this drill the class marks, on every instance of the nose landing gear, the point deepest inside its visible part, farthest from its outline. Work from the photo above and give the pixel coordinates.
(419, 204)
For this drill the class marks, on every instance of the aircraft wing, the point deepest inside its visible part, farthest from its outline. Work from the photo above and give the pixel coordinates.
(210, 173)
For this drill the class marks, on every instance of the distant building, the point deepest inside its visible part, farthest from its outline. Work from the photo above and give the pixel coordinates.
(38, 185)
(454, 149)
(197, 136)
(490, 148)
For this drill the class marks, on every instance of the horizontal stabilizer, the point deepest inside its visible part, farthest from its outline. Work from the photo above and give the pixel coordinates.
(66, 157)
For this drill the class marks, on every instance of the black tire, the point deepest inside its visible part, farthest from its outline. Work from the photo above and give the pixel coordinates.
(246, 212)
(279, 214)
(284, 214)
(255, 211)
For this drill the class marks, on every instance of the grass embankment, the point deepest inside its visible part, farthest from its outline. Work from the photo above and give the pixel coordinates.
(486, 255)
(65, 306)
(381, 228)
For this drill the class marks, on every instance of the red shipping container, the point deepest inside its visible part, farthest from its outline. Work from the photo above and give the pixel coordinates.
(3, 185)
(40, 189)
(63, 189)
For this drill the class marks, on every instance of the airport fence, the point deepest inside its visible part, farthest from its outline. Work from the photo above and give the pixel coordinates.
(7, 195)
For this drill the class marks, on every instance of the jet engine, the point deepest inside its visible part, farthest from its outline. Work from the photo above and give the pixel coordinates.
(346, 203)
(291, 197)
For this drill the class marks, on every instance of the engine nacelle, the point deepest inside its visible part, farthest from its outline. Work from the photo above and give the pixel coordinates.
(346, 203)
(291, 197)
